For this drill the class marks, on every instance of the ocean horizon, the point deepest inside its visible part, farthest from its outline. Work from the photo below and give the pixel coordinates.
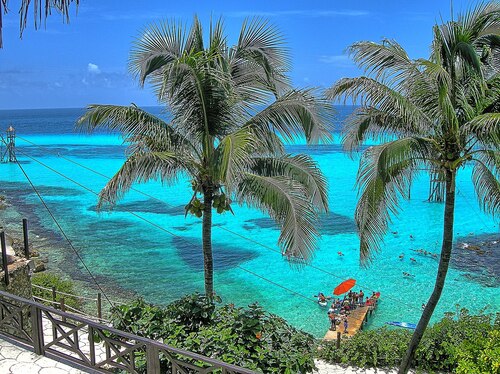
(161, 259)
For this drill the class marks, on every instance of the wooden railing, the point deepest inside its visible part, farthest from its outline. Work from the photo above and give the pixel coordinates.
(61, 335)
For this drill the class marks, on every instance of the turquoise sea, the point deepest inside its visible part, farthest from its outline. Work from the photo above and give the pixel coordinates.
(129, 256)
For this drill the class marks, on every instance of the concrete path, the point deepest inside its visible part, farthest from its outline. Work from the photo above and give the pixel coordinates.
(15, 359)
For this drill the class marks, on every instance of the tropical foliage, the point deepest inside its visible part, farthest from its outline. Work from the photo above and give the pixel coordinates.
(247, 337)
(232, 110)
(49, 280)
(438, 115)
(39, 13)
(463, 344)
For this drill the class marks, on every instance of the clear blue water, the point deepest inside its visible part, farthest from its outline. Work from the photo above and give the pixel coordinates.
(126, 253)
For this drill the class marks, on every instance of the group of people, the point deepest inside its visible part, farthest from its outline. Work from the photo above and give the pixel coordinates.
(341, 308)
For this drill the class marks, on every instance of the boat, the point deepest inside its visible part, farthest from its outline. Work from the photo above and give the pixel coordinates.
(322, 303)
(406, 325)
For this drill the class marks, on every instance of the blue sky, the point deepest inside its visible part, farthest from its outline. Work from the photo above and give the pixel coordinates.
(86, 61)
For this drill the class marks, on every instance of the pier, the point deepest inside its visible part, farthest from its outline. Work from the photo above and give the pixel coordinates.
(355, 322)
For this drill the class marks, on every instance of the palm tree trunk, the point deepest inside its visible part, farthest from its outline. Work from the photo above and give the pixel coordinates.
(444, 262)
(207, 242)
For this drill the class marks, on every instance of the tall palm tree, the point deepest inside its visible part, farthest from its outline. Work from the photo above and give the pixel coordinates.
(232, 109)
(437, 115)
(41, 10)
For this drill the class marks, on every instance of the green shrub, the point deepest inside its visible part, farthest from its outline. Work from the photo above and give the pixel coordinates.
(371, 348)
(447, 346)
(248, 337)
(49, 280)
(478, 356)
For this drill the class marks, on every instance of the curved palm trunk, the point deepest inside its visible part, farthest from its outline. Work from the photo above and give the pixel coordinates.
(444, 262)
(207, 242)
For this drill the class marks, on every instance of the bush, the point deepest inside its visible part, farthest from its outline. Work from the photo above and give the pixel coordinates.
(49, 280)
(249, 337)
(481, 355)
(448, 346)
(372, 348)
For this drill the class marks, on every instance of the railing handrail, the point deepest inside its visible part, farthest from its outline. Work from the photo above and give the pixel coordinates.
(73, 295)
(123, 334)
(64, 293)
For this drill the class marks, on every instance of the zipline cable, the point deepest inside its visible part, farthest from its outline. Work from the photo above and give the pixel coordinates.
(216, 226)
(168, 232)
(63, 233)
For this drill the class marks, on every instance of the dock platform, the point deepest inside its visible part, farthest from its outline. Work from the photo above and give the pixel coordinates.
(355, 321)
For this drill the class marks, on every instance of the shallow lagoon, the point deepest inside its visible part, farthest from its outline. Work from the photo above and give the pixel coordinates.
(129, 254)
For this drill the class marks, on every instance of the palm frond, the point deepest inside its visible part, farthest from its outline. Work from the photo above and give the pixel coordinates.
(385, 175)
(485, 177)
(485, 128)
(232, 156)
(41, 10)
(141, 168)
(374, 94)
(263, 46)
(160, 44)
(295, 114)
(300, 168)
(133, 123)
(286, 201)
(387, 60)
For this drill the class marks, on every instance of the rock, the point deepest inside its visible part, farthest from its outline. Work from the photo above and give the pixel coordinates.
(39, 266)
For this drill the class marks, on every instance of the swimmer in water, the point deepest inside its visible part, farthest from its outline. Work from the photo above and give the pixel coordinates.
(408, 275)
(413, 260)
(340, 253)
(401, 256)
(412, 237)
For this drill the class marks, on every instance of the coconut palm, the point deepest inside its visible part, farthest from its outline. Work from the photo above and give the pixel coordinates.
(436, 115)
(232, 110)
(61, 6)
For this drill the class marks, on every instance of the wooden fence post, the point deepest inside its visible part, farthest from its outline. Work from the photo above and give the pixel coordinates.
(37, 330)
(99, 306)
(63, 307)
(338, 339)
(25, 235)
(5, 265)
(152, 359)
(54, 297)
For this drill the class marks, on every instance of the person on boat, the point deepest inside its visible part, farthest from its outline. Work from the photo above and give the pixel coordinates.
(321, 298)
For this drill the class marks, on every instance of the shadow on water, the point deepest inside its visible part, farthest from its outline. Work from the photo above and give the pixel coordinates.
(329, 224)
(479, 257)
(146, 206)
(225, 257)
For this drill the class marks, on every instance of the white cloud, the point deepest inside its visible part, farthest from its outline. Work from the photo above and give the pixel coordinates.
(341, 61)
(93, 68)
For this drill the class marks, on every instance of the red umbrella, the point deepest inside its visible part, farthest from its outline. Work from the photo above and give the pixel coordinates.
(344, 287)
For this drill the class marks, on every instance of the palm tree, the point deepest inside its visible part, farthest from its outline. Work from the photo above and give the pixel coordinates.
(232, 109)
(61, 6)
(436, 115)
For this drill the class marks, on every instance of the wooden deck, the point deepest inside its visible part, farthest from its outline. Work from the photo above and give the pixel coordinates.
(355, 322)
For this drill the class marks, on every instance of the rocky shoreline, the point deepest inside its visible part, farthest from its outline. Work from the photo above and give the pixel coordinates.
(48, 248)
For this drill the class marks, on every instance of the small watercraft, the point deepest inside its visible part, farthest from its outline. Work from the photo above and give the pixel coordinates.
(322, 303)
(406, 325)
